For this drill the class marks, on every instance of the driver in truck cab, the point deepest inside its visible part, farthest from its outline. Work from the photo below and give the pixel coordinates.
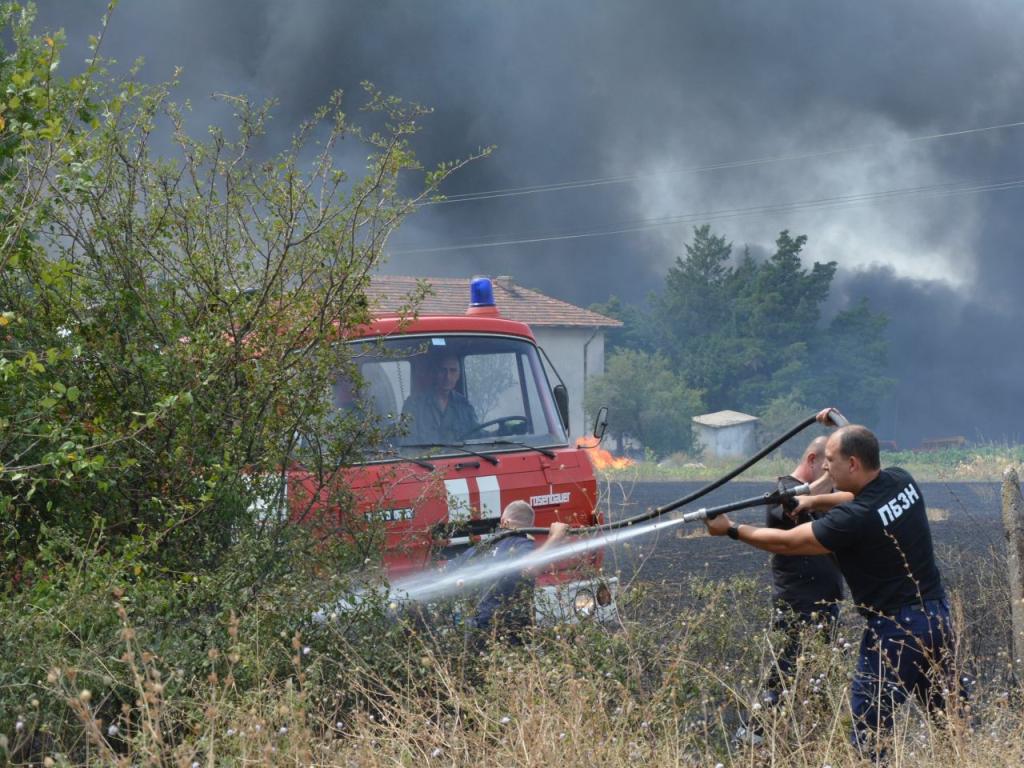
(440, 413)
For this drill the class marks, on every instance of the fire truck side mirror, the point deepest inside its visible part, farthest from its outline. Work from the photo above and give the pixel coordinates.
(562, 402)
(601, 422)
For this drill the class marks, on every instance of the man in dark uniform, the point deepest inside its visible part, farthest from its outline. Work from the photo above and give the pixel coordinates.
(806, 588)
(441, 414)
(506, 607)
(877, 527)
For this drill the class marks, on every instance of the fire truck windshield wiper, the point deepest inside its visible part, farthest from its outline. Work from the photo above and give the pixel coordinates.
(420, 462)
(458, 446)
(393, 455)
(546, 451)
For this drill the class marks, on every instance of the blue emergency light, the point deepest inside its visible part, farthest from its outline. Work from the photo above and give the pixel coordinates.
(481, 292)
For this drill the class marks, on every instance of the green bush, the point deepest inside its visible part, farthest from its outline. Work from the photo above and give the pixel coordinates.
(170, 322)
(169, 334)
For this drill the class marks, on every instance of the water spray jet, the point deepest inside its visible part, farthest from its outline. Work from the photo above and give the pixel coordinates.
(437, 585)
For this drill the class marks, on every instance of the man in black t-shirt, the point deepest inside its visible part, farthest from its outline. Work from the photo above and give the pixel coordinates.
(806, 589)
(877, 527)
(804, 583)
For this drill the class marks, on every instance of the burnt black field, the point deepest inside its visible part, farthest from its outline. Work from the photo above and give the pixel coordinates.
(966, 529)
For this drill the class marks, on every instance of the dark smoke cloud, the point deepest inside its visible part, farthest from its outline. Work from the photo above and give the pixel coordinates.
(955, 358)
(578, 89)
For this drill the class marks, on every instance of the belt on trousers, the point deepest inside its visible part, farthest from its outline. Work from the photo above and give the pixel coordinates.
(934, 607)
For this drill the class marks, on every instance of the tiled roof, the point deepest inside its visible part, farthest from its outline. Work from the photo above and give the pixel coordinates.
(724, 419)
(450, 296)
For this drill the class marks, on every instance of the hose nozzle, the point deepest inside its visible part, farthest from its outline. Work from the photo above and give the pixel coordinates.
(837, 418)
(782, 495)
(697, 514)
(775, 497)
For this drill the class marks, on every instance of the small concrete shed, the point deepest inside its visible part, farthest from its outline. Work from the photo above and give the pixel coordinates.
(725, 434)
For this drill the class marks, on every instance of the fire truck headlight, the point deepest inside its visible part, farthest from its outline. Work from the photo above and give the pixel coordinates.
(584, 602)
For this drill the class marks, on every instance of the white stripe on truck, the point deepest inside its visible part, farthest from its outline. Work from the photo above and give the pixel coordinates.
(458, 499)
(490, 496)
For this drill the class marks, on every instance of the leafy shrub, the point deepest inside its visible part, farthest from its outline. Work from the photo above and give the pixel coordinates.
(169, 334)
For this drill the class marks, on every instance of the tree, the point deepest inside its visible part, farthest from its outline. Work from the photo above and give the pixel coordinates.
(744, 333)
(170, 323)
(170, 328)
(636, 332)
(694, 306)
(851, 360)
(645, 400)
(748, 333)
(781, 309)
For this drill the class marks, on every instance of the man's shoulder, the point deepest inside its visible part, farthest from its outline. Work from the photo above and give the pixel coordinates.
(849, 514)
(457, 397)
(867, 500)
(458, 402)
(515, 541)
(887, 480)
(897, 475)
(416, 400)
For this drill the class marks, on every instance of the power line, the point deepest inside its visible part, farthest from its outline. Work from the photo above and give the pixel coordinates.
(639, 225)
(626, 179)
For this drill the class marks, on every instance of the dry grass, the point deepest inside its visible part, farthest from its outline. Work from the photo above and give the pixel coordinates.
(657, 690)
(666, 687)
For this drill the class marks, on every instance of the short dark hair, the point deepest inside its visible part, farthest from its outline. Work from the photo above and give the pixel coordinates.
(855, 440)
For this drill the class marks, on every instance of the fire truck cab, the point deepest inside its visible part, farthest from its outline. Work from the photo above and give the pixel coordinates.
(474, 424)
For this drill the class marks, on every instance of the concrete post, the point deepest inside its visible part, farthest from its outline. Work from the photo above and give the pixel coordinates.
(1013, 523)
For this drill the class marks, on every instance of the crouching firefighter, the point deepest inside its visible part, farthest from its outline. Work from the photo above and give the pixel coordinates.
(506, 608)
(877, 527)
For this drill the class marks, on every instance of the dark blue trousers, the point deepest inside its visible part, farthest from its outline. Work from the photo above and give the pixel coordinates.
(908, 653)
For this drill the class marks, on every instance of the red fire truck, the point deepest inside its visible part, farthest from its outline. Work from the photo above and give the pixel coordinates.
(440, 482)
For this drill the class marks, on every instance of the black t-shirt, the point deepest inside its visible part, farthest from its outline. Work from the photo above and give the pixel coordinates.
(803, 582)
(883, 543)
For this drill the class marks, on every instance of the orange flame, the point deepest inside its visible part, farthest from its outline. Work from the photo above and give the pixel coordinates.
(602, 459)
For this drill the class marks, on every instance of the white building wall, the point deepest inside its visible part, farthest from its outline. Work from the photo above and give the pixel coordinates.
(577, 354)
(727, 442)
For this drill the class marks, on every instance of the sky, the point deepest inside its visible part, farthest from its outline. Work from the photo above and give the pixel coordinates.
(884, 131)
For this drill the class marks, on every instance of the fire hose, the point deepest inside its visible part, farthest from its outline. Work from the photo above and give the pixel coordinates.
(779, 495)
(431, 585)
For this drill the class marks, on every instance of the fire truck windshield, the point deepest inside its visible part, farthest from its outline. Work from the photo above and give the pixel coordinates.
(455, 390)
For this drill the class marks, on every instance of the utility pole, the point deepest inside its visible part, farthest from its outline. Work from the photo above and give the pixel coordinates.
(1013, 523)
